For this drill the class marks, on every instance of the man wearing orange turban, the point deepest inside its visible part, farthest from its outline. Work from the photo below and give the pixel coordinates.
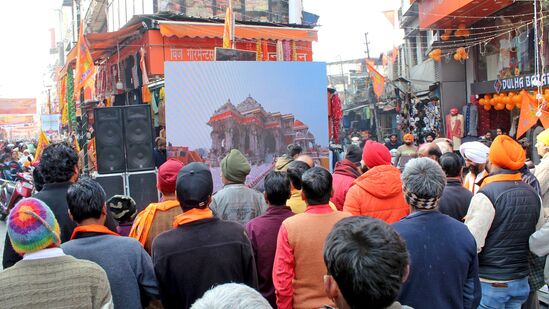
(501, 217)
(406, 152)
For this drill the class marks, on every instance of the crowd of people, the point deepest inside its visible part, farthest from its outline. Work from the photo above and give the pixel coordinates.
(375, 233)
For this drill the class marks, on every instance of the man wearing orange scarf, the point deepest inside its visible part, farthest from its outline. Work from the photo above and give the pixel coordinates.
(128, 267)
(201, 251)
(501, 217)
(158, 217)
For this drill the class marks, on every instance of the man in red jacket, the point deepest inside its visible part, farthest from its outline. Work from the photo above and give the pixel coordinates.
(345, 173)
(378, 192)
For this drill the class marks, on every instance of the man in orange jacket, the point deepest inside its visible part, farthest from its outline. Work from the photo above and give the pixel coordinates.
(378, 192)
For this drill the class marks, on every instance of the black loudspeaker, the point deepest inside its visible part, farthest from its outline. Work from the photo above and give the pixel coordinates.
(112, 184)
(109, 140)
(142, 188)
(138, 134)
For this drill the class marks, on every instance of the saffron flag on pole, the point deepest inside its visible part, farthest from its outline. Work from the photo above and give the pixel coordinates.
(228, 29)
(377, 80)
(84, 64)
(528, 118)
(42, 143)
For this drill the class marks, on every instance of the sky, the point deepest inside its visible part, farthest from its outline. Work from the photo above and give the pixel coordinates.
(25, 40)
(343, 24)
(194, 90)
(25, 37)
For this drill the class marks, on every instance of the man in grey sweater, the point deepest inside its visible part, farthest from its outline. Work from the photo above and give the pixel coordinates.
(236, 202)
(128, 267)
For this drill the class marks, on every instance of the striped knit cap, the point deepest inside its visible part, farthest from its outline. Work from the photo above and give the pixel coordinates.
(32, 226)
(420, 202)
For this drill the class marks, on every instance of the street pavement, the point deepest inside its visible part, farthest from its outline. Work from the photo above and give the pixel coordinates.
(2, 238)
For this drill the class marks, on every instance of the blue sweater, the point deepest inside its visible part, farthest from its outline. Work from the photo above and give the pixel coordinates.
(128, 266)
(443, 262)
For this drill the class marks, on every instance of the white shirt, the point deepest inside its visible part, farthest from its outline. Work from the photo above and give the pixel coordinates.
(44, 254)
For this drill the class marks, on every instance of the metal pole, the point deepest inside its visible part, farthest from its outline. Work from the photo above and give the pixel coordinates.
(367, 45)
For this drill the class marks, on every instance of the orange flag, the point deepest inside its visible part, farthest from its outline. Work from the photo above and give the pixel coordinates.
(394, 55)
(85, 68)
(42, 143)
(528, 116)
(377, 80)
(228, 29)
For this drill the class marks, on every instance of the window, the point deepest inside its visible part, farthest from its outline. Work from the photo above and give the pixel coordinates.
(424, 47)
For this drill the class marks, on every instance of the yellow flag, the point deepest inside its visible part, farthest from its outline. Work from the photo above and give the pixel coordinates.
(228, 29)
(42, 143)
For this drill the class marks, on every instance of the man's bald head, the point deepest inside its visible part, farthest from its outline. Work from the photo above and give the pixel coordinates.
(430, 150)
(444, 144)
(307, 159)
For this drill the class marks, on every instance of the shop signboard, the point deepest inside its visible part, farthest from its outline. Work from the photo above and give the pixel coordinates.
(515, 83)
(228, 54)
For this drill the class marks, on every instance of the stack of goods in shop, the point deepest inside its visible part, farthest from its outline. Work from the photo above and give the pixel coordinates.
(423, 118)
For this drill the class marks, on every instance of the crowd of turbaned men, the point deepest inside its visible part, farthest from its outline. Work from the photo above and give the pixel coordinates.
(368, 235)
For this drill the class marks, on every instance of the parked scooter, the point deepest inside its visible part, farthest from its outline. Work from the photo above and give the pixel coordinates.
(13, 191)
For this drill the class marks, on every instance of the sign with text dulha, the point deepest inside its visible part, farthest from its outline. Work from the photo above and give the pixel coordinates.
(523, 81)
(515, 83)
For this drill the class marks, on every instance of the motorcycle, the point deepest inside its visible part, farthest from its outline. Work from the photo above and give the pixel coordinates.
(12, 192)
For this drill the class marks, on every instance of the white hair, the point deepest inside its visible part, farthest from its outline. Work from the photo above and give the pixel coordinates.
(231, 296)
(424, 177)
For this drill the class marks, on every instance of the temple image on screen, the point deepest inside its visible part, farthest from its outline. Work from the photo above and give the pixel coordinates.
(257, 133)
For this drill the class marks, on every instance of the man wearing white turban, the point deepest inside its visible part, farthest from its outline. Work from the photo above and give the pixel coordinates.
(476, 156)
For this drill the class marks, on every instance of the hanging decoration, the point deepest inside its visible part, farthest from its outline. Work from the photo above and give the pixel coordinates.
(145, 92)
(228, 29)
(436, 54)
(461, 54)
(287, 46)
(294, 51)
(71, 107)
(63, 102)
(258, 53)
(279, 51)
(446, 35)
(265, 49)
(462, 31)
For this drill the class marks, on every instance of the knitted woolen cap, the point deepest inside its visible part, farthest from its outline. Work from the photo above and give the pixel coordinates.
(235, 167)
(32, 226)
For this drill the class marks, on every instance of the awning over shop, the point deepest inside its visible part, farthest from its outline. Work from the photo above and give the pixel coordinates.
(204, 30)
(447, 14)
(101, 44)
